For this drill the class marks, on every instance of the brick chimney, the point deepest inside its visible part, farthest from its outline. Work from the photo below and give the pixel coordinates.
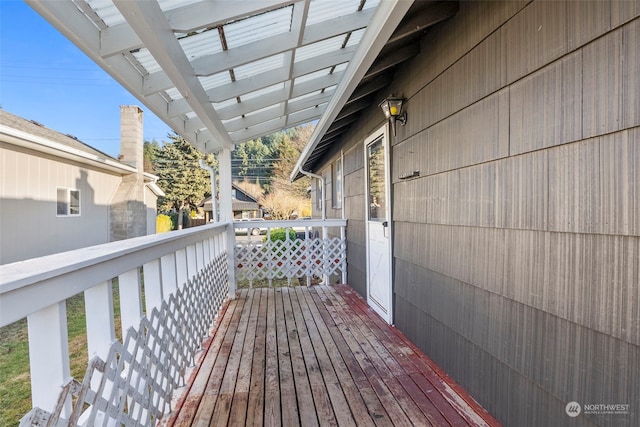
(128, 212)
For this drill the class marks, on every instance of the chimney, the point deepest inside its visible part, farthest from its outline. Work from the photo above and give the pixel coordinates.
(131, 136)
(128, 211)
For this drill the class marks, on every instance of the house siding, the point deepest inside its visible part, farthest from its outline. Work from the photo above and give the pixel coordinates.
(30, 226)
(516, 250)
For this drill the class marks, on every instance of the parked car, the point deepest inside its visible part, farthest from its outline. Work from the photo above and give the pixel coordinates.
(254, 231)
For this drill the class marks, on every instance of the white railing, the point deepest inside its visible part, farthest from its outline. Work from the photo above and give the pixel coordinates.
(309, 251)
(170, 287)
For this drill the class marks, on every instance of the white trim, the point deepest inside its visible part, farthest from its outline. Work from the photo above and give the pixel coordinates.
(27, 140)
(387, 17)
(385, 312)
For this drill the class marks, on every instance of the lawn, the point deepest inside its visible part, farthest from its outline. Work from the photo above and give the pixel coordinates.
(15, 386)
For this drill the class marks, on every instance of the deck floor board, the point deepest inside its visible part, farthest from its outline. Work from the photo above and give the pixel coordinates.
(317, 356)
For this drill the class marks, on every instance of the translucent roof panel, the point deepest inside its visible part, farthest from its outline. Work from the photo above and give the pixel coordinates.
(166, 5)
(315, 49)
(215, 80)
(355, 37)
(107, 11)
(173, 93)
(264, 91)
(147, 60)
(258, 27)
(305, 96)
(201, 44)
(260, 66)
(312, 76)
(223, 104)
(322, 10)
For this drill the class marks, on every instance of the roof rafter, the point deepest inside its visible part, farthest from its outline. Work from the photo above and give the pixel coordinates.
(150, 23)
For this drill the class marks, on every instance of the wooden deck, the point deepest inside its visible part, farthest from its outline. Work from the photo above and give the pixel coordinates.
(317, 356)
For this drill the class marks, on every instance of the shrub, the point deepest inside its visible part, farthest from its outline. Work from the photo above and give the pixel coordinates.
(163, 223)
(280, 234)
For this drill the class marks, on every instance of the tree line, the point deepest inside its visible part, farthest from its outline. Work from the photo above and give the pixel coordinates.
(260, 167)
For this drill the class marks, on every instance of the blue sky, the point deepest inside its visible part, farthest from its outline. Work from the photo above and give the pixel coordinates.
(44, 77)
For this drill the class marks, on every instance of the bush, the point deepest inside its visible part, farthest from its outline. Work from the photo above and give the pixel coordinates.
(174, 219)
(163, 223)
(280, 234)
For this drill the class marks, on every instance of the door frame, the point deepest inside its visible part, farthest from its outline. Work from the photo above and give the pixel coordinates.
(384, 132)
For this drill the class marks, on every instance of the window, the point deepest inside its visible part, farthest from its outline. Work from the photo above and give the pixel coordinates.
(319, 194)
(336, 186)
(68, 202)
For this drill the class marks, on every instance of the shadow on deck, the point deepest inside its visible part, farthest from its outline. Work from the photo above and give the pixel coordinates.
(317, 356)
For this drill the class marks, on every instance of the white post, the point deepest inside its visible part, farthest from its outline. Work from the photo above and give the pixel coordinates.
(192, 265)
(168, 272)
(343, 253)
(130, 300)
(49, 356)
(152, 285)
(181, 267)
(226, 214)
(98, 304)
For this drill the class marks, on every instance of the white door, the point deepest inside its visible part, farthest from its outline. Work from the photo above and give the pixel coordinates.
(378, 220)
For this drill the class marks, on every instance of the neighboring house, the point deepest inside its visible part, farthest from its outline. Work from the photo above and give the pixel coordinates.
(511, 199)
(58, 194)
(244, 206)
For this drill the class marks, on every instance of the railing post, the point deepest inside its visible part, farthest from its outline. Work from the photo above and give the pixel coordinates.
(49, 356)
(226, 215)
(168, 272)
(181, 267)
(130, 300)
(152, 285)
(98, 304)
(343, 253)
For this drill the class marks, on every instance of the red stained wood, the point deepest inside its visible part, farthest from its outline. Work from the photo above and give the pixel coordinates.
(317, 356)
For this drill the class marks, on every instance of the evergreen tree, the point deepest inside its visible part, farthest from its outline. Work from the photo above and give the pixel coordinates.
(180, 176)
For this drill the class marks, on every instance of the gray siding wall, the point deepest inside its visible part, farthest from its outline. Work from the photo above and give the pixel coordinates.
(517, 250)
(30, 227)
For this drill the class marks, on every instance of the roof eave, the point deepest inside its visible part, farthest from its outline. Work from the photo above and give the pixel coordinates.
(387, 17)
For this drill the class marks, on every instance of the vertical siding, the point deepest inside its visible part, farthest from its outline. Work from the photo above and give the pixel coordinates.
(30, 227)
(517, 250)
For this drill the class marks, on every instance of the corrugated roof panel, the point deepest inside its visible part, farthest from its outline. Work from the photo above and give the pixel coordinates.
(215, 80)
(223, 104)
(275, 108)
(263, 91)
(173, 4)
(323, 10)
(259, 66)
(355, 37)
(147, 60)
(173, 93)
(258, 27)
(315, 49)
(201, 44)
(341, 67)
(307, 95)
(107, 11)
(312, 76)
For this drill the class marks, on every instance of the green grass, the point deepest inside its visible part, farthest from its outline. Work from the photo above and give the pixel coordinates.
(15, 380)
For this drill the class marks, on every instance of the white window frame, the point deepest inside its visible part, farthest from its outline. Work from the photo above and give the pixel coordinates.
(336, 184)
(319, 193)
(67, 201)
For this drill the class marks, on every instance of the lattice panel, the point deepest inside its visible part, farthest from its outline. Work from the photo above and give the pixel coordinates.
(135, 384)
(289, 259)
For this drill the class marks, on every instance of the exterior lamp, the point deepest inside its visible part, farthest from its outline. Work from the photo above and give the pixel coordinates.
(392, 109)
